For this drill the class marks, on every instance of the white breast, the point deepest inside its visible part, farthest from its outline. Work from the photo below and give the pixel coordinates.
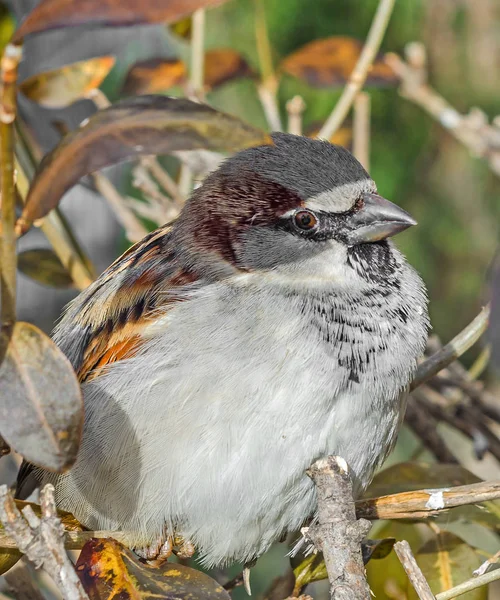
(211, 428)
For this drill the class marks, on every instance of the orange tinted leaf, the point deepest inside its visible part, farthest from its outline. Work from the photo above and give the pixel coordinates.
(54, 14)
(41, 414)
(141, 125)
(224, 64)
(330, 61)
(154, 75)
(62, 87)
(108, 571)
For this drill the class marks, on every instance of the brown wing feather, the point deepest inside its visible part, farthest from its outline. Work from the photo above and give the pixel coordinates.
(105, 323)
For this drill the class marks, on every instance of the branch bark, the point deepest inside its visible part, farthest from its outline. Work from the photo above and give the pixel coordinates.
(338, 533)
(415, 575)
(42, 540)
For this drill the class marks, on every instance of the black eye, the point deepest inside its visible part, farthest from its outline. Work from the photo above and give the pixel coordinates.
(305, 220)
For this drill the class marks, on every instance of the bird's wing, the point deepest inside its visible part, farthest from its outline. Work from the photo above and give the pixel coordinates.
(105, 323)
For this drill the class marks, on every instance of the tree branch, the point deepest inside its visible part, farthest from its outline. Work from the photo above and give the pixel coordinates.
(458, 346)
(358, 76)
(338, 533)
(41, 540)
(415, 575)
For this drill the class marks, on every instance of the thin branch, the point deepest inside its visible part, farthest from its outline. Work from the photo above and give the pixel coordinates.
(472, 130)
(358, 76)
(8, 110)
(134, 229)
(458, 346)
(41, 540)
(425, 428)
(338, 533)
(295, 108)
(422, 504)
(163, 178)
(361, 129)
(469, 585)
(198, 54)
(415, 575)
(487, 564)
(268, 87)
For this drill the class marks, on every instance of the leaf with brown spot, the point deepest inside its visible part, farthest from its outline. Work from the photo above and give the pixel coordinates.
(43, 265)
(61, 87)
(446, 560)
(154, 75)
(137, 126)
(329, 62)
(223, 65)
(109, 570)
(41, 414)
(54, 14)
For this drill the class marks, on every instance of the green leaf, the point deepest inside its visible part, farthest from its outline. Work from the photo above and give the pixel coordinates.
(43, 265)
(108, 571)
(41, 413)
(137, 126)
(446, 561)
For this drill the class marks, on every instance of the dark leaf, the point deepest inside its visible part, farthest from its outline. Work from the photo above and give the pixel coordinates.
(223, 65)
(446, 561)
(108, 571)
(43, 265)
(154, 75)
(377, 549)
(329, 63)
(41, 414)
(54, 14)
(62, 87)
(138, 126)
(183, 28)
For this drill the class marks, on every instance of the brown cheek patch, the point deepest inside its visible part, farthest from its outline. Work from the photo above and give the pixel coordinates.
(225, 207)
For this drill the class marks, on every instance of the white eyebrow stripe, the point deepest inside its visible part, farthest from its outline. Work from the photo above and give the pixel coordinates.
(342, 198)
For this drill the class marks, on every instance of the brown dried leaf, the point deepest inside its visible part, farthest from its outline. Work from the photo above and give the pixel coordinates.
(62, 87)
(43, 265)
(154, 75)
(41, 415)
(223, 65)
(54, 14)
(109, 570)
(329, 62)
(140, 125)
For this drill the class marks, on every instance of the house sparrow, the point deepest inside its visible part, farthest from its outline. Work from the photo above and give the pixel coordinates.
(272, 324)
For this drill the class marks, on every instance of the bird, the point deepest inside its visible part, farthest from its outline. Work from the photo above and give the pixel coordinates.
(271, 324)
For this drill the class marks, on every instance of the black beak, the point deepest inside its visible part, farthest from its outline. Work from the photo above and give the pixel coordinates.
(377, 220)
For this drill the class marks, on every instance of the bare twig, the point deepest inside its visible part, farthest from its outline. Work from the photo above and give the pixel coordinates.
(425, 428)
(361, 129)
(358, 76)
(295, 108)
(472, 130)
(163, 178)
(8, 110)
(134, 229)
(422, 504)
(470, 584)
(487, 564)
(198, 53)
(458, 346)
(338, 533)
(268, 87)
(415, 575)
(41, 540)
